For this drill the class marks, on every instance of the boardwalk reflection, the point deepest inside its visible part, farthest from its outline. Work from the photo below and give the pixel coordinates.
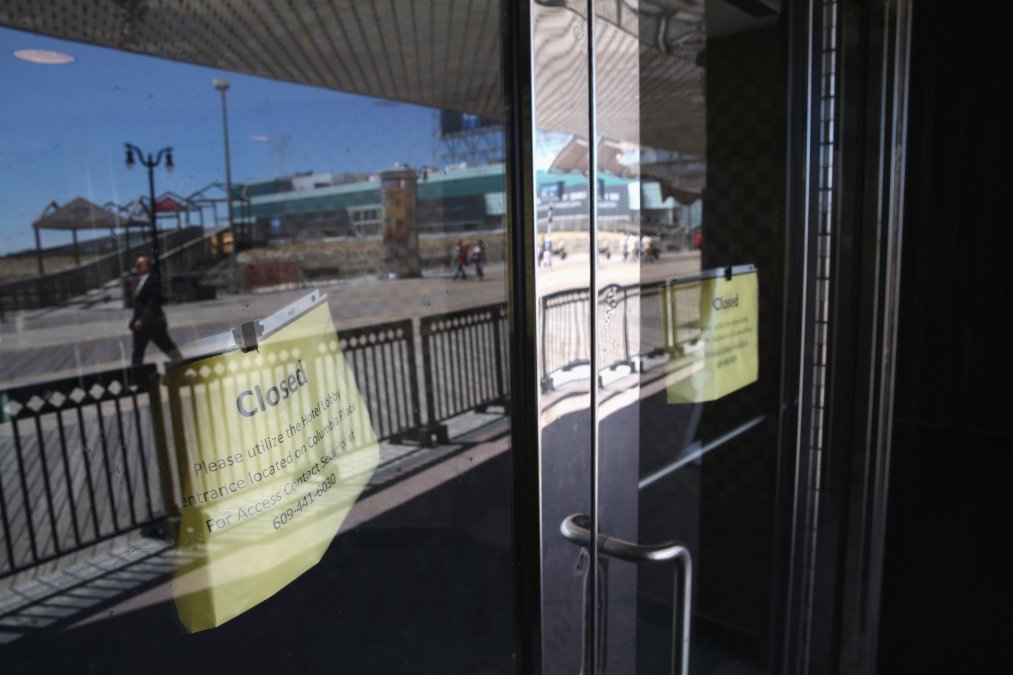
(78, 471)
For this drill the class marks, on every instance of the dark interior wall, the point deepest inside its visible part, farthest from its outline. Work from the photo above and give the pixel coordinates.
(744, 222)
(947, 583)
(723, 507)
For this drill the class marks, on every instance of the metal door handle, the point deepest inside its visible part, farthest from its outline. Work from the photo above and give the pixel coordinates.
(575, 529)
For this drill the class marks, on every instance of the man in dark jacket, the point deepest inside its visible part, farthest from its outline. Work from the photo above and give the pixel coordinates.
(148, 322)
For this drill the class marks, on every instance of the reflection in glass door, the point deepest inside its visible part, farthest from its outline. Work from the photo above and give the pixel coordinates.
(367, 170)
(663, 336)
(311, 206)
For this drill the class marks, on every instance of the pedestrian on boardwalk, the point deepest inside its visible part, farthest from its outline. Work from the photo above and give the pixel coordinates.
(149, 323)
(546, 257)
(649, 253)
(478, 256)
(461, 251)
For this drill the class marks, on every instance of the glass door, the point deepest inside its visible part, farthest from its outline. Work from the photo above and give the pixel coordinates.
(254, 354)
(661, 158)
(343, 224)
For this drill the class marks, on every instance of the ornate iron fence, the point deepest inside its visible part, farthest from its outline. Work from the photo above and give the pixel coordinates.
(383, 359)
(78, 456)
(635, 322)
(76, 464)
(565, 320)
(465, 363)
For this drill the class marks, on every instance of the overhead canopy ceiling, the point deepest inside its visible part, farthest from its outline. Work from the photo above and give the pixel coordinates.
(650, 84)
(438, 53)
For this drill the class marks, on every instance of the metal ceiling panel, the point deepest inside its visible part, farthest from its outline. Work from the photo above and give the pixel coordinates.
(438, 53)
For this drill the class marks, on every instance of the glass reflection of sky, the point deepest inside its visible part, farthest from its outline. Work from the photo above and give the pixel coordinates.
(63, 128)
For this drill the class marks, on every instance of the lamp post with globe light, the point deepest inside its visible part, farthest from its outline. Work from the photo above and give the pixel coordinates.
(150, 161)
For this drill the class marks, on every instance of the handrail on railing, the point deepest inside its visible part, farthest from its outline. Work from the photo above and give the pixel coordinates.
(53, 288)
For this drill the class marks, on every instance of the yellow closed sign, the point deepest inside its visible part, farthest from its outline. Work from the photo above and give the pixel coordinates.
(710, 325)
(272, 449)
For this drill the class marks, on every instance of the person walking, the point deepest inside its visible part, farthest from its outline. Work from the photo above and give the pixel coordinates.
(149, 323)
(478, 255)
(462, 260)
(649, 253)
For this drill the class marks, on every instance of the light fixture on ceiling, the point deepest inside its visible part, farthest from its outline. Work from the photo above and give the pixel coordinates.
(48, 57)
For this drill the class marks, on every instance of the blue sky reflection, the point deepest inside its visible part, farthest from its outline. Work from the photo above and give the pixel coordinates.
(64, 126)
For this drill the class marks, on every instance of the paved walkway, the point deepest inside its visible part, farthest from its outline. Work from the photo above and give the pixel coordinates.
(124, 573)
(91, 333)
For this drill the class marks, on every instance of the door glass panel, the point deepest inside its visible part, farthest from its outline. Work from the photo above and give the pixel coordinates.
(688, 413)
(563, 279)
(307, 466)
(684, 299)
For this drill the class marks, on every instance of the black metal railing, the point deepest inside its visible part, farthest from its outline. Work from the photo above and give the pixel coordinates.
(55, 288)
(76, 465)
(635, 322)
(465, 363)
(679, 315)
(78, 460)
(651, 323)
(618, 336)
(565, 319)
(383, 359)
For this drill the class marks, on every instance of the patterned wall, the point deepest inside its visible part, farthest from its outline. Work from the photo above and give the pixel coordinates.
(744, 222)
(723, 507)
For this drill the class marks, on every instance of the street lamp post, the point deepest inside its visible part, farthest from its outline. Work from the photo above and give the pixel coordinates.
(149, 162)
(222, 85)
